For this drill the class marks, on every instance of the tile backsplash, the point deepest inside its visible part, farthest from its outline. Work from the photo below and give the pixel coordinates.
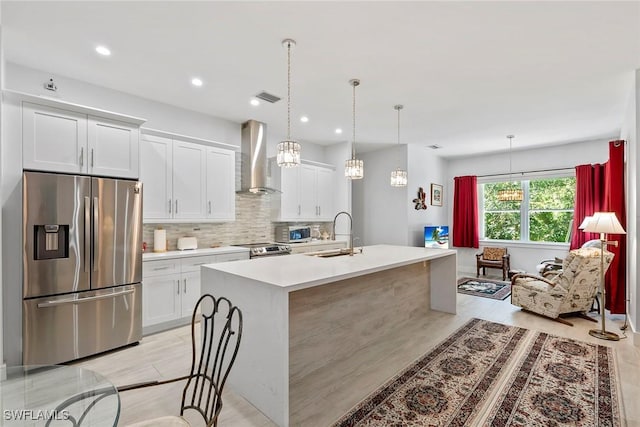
(252, 225)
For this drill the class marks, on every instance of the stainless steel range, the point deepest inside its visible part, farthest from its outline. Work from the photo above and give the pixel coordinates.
(258, 250)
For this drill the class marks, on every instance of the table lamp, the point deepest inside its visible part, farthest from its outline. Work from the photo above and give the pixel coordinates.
(604, 223)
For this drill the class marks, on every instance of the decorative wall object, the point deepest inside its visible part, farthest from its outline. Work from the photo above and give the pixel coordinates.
(436, 195)
(420, 200)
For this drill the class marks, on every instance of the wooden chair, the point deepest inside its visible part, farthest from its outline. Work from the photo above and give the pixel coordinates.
(220, 335)
(493, 258)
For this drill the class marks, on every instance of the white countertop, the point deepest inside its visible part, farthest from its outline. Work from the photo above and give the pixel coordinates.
(293, 272)
(148, 256)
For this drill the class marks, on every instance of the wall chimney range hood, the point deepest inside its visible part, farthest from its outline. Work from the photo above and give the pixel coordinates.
(253, 159)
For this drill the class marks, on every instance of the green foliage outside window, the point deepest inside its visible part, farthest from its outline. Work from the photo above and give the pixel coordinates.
(544, 215)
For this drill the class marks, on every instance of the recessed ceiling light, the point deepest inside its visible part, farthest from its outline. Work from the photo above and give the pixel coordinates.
(338, 131)
(196, 81)
(254, 102)
(304, 119)
(103, 50)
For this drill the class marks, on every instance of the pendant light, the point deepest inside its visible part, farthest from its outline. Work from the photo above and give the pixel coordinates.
(398, 176)
(354, 168)
(510, 194)
(288, 150)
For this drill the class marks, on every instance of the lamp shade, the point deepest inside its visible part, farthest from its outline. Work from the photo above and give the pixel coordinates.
(604, 222)
(585, 222)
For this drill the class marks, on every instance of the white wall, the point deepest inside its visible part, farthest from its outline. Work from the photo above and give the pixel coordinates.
(385, 214)
(425, 167)
(380, 210)
(2, 78)
(630, 132)
(523, 256)
(158, 115)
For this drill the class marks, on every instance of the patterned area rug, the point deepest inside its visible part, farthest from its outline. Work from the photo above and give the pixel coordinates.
(550, 381)
(487, 288)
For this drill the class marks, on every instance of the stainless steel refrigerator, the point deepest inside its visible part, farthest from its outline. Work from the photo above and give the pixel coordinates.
(82, 266)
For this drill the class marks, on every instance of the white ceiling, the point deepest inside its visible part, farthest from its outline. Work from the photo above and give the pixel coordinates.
(468, 73)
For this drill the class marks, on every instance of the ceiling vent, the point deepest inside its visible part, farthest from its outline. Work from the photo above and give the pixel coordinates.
(265, 96)
(434, 146)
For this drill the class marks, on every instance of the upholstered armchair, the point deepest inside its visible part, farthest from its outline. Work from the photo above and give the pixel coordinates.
(572, 290)
(493, 258)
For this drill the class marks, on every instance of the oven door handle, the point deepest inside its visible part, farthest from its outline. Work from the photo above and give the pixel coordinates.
(55, 303)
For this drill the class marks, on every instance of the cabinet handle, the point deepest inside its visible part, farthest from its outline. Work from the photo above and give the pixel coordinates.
(169, 205)
(185, 286)
(209, 207)
(178, 287)
(176, 206)
(92, 157)
(160, 268)
(319, 211)
(81, 156)
(298, 209)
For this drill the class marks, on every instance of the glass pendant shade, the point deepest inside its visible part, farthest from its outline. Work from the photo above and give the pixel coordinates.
(399, 178)
(288, 150)
(510, 195)
(354, 169)
(288, 154)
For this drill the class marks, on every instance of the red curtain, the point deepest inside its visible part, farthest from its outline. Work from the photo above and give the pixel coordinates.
(589, 199)
(465, 212)
(615, 202)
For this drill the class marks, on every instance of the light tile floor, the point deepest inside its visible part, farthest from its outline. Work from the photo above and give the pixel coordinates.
(167, 354)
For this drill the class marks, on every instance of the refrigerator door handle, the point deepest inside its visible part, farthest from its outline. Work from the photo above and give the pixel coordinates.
(81, 300)
(96, 233)
(87, 233)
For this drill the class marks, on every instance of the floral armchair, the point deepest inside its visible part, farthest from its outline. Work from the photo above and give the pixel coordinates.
(571, 291)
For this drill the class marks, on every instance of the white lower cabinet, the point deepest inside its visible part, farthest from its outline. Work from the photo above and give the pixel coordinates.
(190, 292)
(171, 289)
(160, 299)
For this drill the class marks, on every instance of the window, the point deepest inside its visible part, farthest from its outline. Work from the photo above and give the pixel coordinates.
(544, 215)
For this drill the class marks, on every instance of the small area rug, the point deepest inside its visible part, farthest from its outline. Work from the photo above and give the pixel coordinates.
(489, 374)
(487, 288)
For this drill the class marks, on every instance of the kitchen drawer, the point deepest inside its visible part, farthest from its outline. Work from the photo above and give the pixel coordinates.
(160, 268)
(232, 257)
(194, 263)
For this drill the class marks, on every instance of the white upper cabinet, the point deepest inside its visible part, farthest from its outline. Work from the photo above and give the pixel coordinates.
(113, 148)
(307, 193)
(57, 138)
(53, 139)
(221, 197)
(189, 180)
(186, 181)
(290, 185)
(324, 189)
(156, 174)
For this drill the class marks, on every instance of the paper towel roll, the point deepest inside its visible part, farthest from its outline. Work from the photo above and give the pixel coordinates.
(159, 240)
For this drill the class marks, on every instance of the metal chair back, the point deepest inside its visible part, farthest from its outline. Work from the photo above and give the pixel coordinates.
(211, 362)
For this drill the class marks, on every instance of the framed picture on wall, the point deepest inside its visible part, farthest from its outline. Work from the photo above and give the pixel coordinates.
(436, 195)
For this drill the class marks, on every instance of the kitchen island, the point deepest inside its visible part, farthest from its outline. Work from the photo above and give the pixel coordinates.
(312, 322)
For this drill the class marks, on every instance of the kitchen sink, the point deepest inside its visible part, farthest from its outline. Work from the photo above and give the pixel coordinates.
(334, 253)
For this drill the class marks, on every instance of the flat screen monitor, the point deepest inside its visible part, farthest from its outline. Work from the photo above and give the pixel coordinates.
(436, 236)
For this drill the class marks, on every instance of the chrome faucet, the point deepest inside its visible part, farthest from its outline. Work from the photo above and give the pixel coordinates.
(333, 230)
